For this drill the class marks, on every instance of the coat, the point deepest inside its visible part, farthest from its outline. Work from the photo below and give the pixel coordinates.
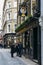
(12, 48)
(20, 47)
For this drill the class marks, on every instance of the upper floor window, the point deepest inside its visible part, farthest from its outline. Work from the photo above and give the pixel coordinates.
(9, 4)
(8, 15)
(9, 28)
(15, 26)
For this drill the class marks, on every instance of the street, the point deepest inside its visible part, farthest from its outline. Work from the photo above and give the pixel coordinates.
(5, 58)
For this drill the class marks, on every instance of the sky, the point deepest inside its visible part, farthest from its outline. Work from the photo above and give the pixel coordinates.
(1, 10)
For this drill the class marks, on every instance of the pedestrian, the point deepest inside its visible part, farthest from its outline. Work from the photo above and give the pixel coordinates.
(17, 49)
(12, 49)
(20, 49)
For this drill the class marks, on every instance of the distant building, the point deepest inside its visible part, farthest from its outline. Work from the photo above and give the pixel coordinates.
(9, 21)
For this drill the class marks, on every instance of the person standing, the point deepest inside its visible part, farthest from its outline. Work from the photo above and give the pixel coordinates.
(12, 48)
(17, 48)
(20, 49)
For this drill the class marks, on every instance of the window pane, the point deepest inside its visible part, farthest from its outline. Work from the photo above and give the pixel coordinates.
(9, 27)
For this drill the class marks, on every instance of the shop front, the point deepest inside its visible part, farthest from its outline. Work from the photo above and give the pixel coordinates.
(30, 43)
(30, 40)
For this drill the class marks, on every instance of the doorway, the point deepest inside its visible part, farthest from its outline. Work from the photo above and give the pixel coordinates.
(27, 42)
(35, 43)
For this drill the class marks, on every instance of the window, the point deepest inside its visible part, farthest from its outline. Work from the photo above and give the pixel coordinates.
(9, 15)
(9, 4)
(15, 26)
(15, 3)
(9, 28)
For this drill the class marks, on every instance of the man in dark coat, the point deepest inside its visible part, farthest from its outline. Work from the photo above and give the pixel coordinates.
(20, 49)
(12, 50)
(17, 41)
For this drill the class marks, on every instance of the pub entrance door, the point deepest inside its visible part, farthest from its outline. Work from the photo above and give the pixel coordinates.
(35, 43)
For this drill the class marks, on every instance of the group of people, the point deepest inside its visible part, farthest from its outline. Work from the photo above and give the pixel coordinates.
(18, 48)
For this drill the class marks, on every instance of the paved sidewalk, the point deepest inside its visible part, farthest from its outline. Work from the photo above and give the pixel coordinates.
(27, 61)
(6, 59)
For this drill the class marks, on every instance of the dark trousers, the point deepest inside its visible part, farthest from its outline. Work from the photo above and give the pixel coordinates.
(20, 53)
(11, 54)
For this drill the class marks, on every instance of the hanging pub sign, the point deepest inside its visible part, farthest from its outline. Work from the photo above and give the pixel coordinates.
(23, 10)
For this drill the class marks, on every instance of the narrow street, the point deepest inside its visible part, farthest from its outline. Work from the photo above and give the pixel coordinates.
(21, 31)
(5, 58)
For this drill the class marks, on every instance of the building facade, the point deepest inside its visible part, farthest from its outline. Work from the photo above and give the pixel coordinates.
(28, 28)
(9, 21)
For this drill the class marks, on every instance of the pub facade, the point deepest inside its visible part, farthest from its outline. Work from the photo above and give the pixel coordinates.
(28, 29)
